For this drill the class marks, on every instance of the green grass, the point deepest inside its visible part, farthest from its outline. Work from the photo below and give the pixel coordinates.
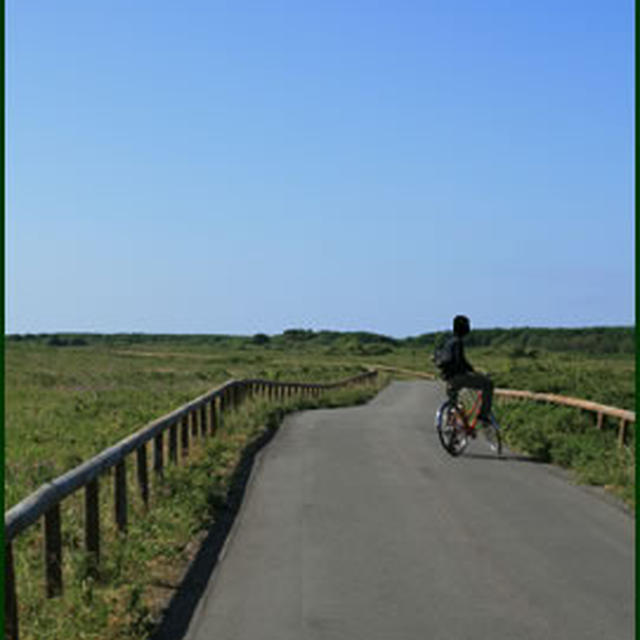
(64, 404)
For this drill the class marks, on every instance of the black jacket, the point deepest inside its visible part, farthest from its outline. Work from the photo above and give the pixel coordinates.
(458, 364)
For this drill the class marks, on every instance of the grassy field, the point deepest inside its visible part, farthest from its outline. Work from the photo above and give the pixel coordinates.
(65, 404)
(68, 398)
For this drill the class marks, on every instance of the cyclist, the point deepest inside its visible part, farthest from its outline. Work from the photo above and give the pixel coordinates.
(457, 371)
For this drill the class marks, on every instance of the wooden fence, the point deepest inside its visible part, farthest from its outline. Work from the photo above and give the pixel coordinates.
(601, 410)
(199, 418)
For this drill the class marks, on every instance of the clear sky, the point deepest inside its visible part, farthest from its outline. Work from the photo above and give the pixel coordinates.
(243, 167)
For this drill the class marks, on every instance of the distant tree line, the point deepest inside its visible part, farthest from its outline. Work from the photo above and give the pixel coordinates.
(589, 340)
(520, 341)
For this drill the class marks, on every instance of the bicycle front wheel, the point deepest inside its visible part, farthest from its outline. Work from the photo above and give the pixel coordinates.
(491, 431)
(451, 431)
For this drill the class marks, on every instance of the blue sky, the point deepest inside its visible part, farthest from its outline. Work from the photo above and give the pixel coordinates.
(244, 167)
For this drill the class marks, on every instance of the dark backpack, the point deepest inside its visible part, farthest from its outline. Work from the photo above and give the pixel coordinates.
(443, 359)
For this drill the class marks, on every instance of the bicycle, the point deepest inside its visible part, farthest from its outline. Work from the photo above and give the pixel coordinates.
(457, 420)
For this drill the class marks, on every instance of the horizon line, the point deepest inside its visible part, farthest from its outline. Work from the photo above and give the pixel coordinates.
(345, 331)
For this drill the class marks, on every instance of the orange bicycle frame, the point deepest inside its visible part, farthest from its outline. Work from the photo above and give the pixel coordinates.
(471, 417)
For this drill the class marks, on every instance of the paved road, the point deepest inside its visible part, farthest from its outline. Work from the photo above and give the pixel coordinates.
(357, 525)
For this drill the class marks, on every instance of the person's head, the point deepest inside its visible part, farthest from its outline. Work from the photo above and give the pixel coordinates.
(461, 326)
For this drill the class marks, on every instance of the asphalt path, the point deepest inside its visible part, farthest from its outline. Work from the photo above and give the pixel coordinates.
(356, 524)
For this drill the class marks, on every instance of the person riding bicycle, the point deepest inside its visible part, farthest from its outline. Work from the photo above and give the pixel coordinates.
(457, 371)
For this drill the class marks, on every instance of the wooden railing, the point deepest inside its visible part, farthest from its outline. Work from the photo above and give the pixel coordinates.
(601, 410)
(201, 417)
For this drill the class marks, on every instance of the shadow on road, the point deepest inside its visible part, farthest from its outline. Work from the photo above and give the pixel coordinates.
(176, 618)
(505, 457)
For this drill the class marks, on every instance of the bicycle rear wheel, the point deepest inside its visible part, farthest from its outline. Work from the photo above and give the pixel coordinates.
(451, 430)
(491, 432)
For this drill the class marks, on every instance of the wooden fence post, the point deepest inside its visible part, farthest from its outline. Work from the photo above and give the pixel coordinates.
(213, 422)
(158, 453)
(53, 551)
(143, 474)
(184, 431)
(92, 524)
(203, 421)
(173, 443)
(622, 432)
(121, 496)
